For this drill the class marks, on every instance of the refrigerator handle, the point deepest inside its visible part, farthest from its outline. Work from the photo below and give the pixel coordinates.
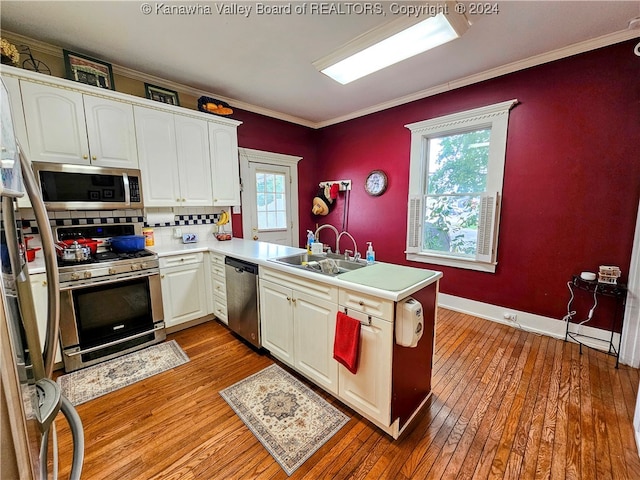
(75, 424)
(51, 264)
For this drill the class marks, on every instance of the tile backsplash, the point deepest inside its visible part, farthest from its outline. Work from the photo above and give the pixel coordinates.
(199, 220)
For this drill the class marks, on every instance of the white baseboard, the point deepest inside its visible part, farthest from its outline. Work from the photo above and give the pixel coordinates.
(529, 322)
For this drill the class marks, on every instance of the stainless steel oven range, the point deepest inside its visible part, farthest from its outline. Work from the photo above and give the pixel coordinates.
(110, 304)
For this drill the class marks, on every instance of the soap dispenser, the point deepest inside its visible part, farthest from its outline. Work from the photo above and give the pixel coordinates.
(310, 239)
(371, 255)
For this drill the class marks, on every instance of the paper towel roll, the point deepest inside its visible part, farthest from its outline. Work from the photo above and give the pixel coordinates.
(160, 218)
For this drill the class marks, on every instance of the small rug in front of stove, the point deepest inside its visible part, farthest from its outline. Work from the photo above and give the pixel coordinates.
(92, 382)
(288, 418)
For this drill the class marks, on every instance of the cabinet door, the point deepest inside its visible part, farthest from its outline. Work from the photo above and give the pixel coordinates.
(55, 124)
(314, 331)
(40, 302)
(184, 295)
(111, 133)
(19, 126)
(192, 139)
(369, 390)
(225, 167)
(17, 112)
(276, 320)
(156, 139)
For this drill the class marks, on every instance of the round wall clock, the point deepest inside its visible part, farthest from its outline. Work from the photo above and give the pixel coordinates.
(376, 183)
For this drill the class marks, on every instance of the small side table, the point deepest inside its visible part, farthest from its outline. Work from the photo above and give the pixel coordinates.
(618, 291)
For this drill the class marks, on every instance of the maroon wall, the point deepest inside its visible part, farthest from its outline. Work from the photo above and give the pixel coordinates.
(269, 134)
(571, 184)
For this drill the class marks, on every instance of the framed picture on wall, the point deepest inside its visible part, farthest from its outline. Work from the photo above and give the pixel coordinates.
(91, 71)
(160, 94)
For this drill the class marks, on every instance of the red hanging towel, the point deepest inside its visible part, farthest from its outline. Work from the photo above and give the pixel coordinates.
(333, 192)
(346, 345)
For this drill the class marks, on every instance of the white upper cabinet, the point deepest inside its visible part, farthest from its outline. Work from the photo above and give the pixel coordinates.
(68, 127)
(225, 167)
(187, 158)
(19, 127)
(156, 138)
(55, 124)
(192, 142)
(174, 159)
(111, 133)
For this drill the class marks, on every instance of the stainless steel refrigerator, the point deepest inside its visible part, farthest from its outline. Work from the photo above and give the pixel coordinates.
(29, 399)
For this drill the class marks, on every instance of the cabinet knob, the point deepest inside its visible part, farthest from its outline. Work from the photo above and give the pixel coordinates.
(289, 299)
(44, 283)
(293, 300)
(85, 156)
(94, 157)
(361, 303)
(177, 200)
(255, 237)
(184, 199)
(161, 276)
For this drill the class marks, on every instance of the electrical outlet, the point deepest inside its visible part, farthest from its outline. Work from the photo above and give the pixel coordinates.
(512, 317)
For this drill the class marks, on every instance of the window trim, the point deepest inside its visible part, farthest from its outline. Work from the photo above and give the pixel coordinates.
(494, 116)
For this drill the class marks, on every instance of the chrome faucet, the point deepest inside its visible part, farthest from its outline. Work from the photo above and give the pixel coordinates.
(326, 225)
(346, 254)
(355, 246)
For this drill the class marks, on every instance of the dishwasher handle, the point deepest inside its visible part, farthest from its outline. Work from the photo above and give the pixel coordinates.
(241, 266)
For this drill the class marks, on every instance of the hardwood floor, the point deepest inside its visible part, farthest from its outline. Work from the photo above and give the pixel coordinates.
(505, 404)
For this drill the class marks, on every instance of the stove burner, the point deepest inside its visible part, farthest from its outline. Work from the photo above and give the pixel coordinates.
(66, 263)
(106, 256)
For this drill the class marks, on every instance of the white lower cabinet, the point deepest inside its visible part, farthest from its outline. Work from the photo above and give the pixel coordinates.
(40, 300)
(276, 320)
(369, 390)
(219, 287)
(314, 322)
(184, 292)
(298, 328)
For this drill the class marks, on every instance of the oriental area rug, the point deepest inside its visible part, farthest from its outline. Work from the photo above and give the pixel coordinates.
(288, 418)
(91, 382)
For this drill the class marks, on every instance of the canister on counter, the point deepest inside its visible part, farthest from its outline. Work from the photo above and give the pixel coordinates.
(148, 237)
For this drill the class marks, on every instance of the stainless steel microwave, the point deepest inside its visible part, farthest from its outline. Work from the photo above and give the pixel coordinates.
(86, 187)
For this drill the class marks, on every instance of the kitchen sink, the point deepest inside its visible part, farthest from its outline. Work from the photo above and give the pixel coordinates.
(312, 263)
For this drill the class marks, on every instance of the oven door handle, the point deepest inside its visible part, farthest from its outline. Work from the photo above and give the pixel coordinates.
(125, 276)
(159, 326)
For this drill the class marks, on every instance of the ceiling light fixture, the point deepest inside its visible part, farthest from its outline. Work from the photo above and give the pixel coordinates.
(389, 44)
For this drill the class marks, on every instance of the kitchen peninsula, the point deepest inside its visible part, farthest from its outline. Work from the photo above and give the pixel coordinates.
(298, 310)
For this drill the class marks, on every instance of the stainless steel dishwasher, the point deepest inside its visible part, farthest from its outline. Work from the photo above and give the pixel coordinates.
(242, 299)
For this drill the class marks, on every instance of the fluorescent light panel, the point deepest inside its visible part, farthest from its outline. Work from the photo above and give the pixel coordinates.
(427, 34)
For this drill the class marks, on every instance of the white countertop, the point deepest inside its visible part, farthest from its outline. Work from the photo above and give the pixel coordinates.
(261, 252)
(246, 250)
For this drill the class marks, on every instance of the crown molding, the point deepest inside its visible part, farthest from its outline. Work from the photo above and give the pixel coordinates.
(571, 50)
(558, 54)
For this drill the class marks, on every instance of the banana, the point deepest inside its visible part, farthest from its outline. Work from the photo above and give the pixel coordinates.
(223, 219)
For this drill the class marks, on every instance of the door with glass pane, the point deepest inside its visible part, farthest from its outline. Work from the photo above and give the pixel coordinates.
(270, 207)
